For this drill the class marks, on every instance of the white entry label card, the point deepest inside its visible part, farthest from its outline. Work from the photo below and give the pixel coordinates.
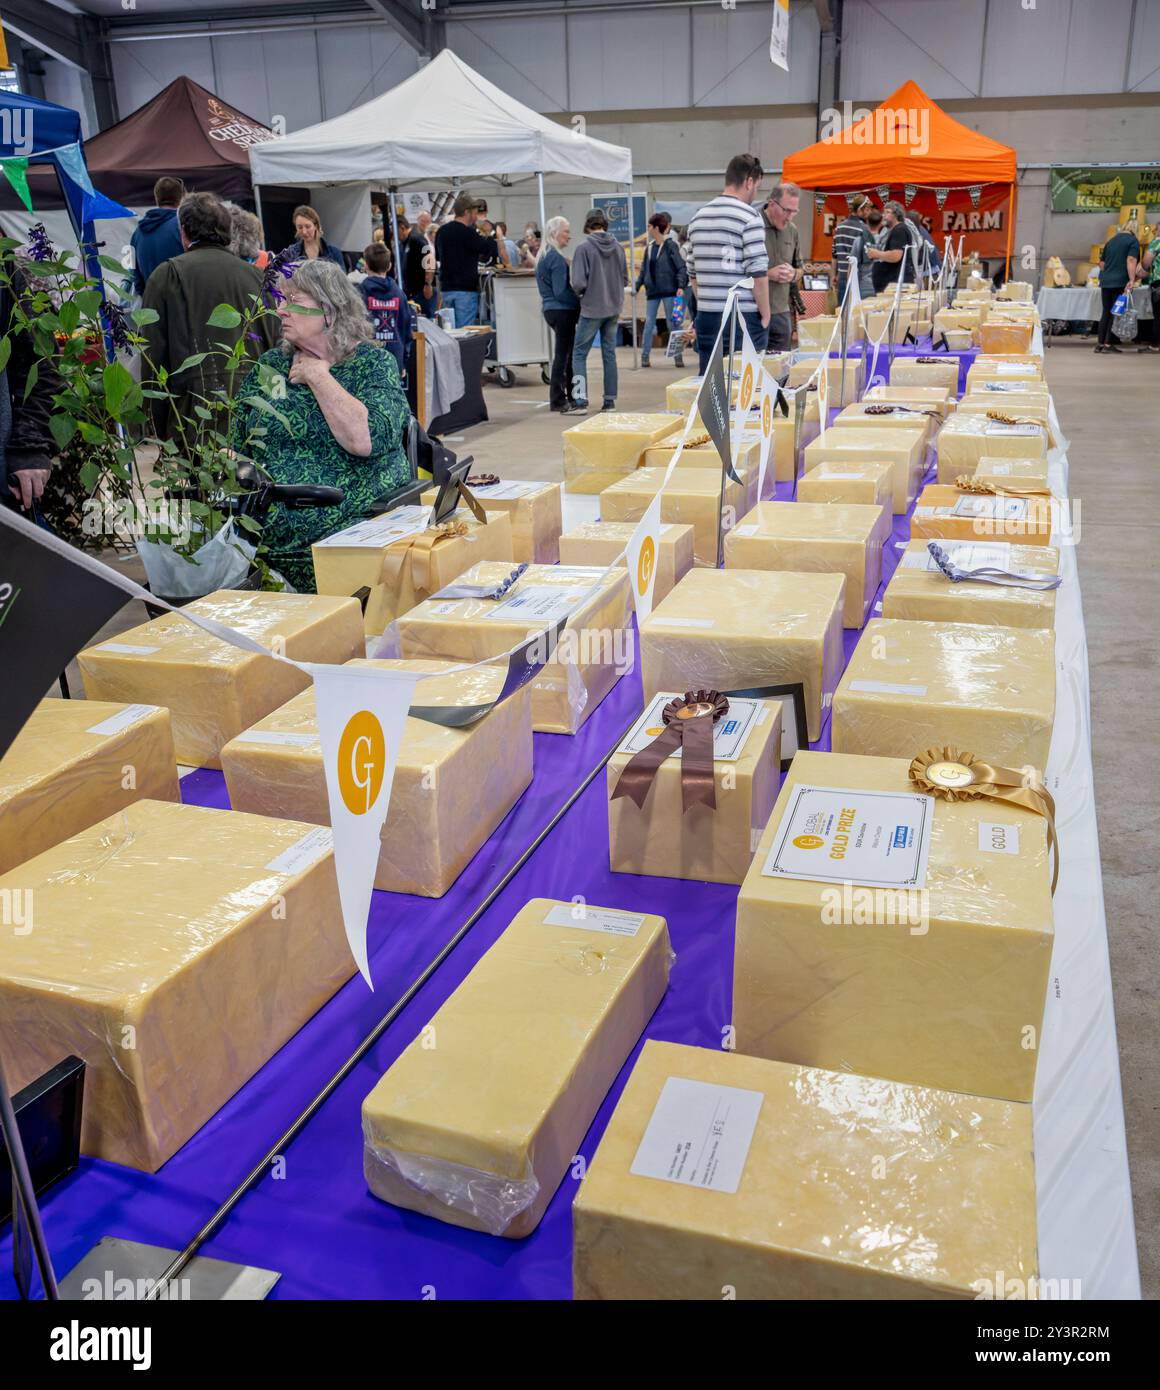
(699, 1135)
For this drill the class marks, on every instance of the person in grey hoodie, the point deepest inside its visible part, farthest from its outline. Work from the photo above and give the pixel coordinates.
(599, 277)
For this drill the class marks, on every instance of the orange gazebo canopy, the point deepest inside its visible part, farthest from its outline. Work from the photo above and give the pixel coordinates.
(906, 139)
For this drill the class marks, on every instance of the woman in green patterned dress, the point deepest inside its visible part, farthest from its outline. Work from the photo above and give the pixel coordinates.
(342, 408)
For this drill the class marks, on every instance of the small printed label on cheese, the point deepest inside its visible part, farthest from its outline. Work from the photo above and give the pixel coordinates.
(749, 529)
(888, 688)
(380, 531)
(1016, 368)
(599, 919)
(127, 649)
(313, 846)
(997, 837)
(688, 622)
(122, 719)
(543, 602)
(994, 427)
(699, 1135)
(993, 508)
(730, 733)
(836, 835)
(292, 738)
(577, 571)
(966, 555)
(507, 491)
(444, 608)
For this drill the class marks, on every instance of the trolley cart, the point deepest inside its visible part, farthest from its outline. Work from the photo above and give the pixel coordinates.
(511, 301)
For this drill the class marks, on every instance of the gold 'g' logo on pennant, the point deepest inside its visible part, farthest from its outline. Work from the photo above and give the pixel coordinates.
(645, 564)
(746, 386)
(808, 841)
(766, 414)
(362, 762)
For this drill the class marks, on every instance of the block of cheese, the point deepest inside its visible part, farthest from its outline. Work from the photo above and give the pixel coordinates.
(887, 415)
(945, 513)
(1018, 290)
(982, 295)
(479, 1118)
(926, 371)
(955, 339)
(704, 454)
(877, 321)
(937, 398)
(777, 363)
(593, 651)
(920, 591)
(744, 629)
(1009, 398)
(1005, 335)
(966, 318)
(1018, 368)
(816, 538)
(692, 496)
(803, 368)
(780, 468)
(452, 787)
(1001, 470)
(680, 394)
(814, 334)
(600, 542)
(534, 509)
(963, 441)
(934, 976)
(214, 690)
(903, 448)
(75, 762)
(176, 949)
(910, 685)
(849, 482)
(370, 555)
(799, 1183)
(605, 447)
(713, 844)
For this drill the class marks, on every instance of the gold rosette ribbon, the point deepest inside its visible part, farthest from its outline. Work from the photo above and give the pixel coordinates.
(960, 776)
(965, 484)
(688, 725)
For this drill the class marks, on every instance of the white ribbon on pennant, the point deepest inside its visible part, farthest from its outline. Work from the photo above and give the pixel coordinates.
(361, 713)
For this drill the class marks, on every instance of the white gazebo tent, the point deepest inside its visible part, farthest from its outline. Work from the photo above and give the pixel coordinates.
(445, 121)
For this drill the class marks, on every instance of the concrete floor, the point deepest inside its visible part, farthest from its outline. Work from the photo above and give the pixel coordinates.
(1104, 409)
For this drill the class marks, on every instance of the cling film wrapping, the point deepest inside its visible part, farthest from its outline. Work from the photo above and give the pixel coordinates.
(904, 449)
(940, 398)
(602, 542)
(214, 690)
(451, 787)
(867, 483)
(943, 984)
(816, 538)
(919, 591)
(74, 763)
(692, 496)
(945, 513)
(610, 445)
(744, 629)
(536, 518)
(174, 949)
(594, 650)
(963, 441)
(918, 371)
(914, 685)
(892, 1191)
(477, 1121)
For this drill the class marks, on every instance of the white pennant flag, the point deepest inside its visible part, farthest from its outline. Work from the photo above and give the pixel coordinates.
(769, 392)
(361, 713)
(748, 387)
(823, 396)
(641, 555)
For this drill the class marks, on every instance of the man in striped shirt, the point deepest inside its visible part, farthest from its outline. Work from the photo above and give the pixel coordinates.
(851, 238)
(728, 245)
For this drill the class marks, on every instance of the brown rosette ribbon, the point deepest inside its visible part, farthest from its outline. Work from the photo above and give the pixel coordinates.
(959, 776)
(483, 480)
(688, 722)
(1001, 417)
(965, 484)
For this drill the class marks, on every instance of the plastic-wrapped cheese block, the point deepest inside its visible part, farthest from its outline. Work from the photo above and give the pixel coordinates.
(814, 334)
(926, 371)
(605, 447)
(816, 537)
(899, 935)
(691, 496)
(176, 949)
(963, 441)
(214, 690)
(915, 397)
(710, 843)
(1021, 406)
(910, 685)
(745, 460)
(867, 483)
(452, 787)
(369, 555)
(777, 363)
(945, 513)
(803, 368)
(1018, 290)
(904, 449)
(593, 651)
(745, 629)
(1023, 368)
(968, 316)
(1001, 470)
(680, 394)
(74, 763)
(885, 415)
(600, 542)
(535, 512)
(920, 591)
(479, 1118)
(877, 322)
(1005, 335)
(728, 1176)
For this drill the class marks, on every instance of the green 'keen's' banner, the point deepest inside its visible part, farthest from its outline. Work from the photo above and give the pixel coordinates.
(1103, 190)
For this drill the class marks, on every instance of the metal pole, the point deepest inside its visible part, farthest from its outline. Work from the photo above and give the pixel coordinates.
(632, 276)
(543, 211)
(395, 235)
(258, 210)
